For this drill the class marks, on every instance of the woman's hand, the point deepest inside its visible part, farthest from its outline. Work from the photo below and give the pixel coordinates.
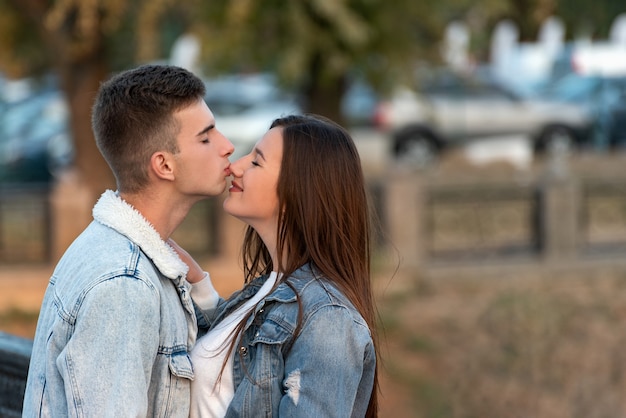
(195, 273)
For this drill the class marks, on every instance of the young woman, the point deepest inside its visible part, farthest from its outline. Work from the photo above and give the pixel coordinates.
(299, 339)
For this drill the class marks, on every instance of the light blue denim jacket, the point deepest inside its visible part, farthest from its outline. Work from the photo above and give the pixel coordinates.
(327, 371)
(116, 324)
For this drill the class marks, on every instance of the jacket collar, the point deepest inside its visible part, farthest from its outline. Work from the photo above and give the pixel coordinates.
(284, 293)
(114, 212)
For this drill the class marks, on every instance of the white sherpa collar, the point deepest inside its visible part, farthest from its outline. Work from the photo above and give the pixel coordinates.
(114, 212)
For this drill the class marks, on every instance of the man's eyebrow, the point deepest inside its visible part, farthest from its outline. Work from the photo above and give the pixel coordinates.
(205, 130)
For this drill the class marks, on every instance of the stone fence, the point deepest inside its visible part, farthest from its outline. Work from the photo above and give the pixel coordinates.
(547, 217)
(430, 218)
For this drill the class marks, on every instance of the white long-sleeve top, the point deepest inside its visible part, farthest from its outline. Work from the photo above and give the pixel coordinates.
(211, 397)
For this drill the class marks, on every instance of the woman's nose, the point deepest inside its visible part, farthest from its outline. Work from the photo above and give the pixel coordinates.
(236, 168)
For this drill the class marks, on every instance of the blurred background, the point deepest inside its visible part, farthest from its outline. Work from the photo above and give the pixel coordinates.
(492, 135)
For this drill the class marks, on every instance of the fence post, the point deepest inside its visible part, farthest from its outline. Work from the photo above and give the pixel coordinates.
(405, 215)
(559, 212)
(71, 205)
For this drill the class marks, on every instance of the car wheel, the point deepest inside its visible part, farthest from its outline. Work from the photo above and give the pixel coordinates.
(556, 140)
(417, 150)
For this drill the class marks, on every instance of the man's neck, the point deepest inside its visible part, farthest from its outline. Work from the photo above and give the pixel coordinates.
(163, 212)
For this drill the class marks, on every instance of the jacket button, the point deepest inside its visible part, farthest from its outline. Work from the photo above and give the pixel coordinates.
(243, 351)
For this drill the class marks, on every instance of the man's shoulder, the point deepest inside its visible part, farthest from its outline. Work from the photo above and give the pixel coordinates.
(100, 254)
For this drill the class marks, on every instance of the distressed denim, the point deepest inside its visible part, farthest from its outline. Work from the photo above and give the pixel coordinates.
(115, 326)
(327, 371)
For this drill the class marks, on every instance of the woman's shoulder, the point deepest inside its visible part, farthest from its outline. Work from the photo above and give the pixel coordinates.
(316, 291)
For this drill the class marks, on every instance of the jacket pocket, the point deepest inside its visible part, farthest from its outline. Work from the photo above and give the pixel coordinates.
(180, 365)
(270, 332)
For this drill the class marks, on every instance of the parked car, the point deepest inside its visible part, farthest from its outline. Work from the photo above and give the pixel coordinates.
(245, 105)
(603, 96)
(600, 58)
(35, 142)
(359, 103)
(450, 109)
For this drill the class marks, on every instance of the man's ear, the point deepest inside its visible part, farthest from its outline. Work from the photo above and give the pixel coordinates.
(162, 165)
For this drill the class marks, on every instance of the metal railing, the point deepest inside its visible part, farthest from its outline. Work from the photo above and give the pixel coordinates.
(25, 223)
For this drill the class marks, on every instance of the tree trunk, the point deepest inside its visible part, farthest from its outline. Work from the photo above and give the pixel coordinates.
(80, 61)
(80, 75)
(324, 91)
(80, 82)
(81, 69)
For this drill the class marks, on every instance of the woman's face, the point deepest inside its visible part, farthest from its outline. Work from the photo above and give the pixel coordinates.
(253, 196)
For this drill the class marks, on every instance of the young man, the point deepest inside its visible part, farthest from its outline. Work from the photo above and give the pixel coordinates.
(117, 321)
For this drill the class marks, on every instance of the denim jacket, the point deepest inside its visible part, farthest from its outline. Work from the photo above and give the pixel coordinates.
(116, 324)
(326, 371)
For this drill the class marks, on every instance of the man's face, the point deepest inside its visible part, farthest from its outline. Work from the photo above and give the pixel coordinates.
(202, 161)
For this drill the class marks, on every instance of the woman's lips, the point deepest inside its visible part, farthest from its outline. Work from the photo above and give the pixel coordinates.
(235, 187)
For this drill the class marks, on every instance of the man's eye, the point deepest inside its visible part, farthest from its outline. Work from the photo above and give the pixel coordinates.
(254, 163)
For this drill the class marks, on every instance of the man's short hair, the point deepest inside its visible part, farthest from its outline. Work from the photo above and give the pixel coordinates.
(133, 117)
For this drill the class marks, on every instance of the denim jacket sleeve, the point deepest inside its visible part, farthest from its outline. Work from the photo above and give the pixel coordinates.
(329, 370)
(106, 364)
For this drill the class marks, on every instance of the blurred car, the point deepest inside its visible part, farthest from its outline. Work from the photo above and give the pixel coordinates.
(451, 109)
(35, 142)
(600, 58)
(359, 103)
(604, 97)
(245, 105)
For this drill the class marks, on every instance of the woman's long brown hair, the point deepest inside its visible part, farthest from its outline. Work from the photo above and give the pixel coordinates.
(323, 216)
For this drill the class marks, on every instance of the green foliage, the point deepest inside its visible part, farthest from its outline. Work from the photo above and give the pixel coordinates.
(36, 35)
(585, 18)
(368, 37)
(364, 36)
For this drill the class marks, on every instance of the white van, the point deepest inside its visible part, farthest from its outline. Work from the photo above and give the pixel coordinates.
(591, 58)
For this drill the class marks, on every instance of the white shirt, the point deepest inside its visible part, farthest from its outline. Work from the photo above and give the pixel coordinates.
(210, 398)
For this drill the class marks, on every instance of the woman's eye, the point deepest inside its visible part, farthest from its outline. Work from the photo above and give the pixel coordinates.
(254, 163)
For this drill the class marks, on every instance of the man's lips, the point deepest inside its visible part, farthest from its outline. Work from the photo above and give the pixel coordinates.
(235, 187)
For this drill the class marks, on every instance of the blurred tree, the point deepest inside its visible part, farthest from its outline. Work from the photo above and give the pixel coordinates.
(589, 19)
(529, 15)
(317, 46)
(83, 41)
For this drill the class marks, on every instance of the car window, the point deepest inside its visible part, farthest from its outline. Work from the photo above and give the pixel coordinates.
(573, 88)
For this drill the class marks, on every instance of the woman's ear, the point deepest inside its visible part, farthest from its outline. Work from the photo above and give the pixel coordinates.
(162, 165)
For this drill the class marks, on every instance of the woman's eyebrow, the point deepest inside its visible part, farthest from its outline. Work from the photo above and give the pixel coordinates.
(259, 152)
